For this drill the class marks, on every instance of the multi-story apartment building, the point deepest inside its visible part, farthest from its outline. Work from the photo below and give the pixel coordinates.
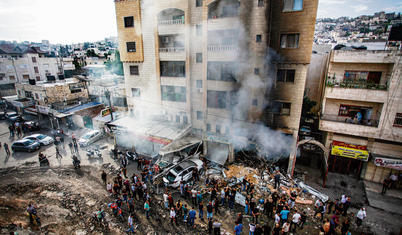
(19, 63)
(223, 66)
(361, 113)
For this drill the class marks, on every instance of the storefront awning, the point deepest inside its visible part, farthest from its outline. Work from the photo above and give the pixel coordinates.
(31, 110)
(178, 145)
(358, 152)
(388, 162)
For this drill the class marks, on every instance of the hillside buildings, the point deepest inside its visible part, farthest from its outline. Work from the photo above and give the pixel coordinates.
(224, 67)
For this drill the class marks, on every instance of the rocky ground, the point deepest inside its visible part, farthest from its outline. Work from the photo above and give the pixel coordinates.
(67, 198)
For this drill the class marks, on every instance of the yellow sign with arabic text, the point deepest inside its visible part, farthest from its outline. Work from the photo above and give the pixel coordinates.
(358, 154)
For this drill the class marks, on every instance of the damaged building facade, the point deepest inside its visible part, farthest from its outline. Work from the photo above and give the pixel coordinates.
(361, 113)
(224, 67)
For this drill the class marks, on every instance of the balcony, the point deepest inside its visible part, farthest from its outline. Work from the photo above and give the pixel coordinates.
(222, 48)
(172, 49)
(343, 125)
(171, 22)
(357, 94)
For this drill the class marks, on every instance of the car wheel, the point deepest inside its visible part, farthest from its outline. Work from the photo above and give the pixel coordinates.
(101, 137)
(13, 150)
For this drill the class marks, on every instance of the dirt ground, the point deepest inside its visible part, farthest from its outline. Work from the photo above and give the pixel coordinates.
(67, 198)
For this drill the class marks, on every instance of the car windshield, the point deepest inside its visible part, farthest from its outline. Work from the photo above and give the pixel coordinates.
(177, 169)
(85, 137)
(12, 115)
(28, 142)
(41, 137)
(170, 177)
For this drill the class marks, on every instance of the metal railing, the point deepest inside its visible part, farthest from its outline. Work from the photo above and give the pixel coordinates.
(172, 49)
(349, 120)
(222, 48)
(356, 85)
(171, 22)
(222, 16)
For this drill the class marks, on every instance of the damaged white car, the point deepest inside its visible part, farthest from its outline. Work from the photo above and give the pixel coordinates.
(182, 172)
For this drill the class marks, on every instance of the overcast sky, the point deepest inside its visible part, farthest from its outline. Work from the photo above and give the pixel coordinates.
(76, 21)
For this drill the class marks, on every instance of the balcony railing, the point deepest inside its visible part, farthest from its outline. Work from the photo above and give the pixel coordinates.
(222, 48)
(171, 22)
(356, 85)
(172, 49)
(211, 17)
(349, 120)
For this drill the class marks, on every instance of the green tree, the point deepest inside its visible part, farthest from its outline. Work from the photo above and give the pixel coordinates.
(306, 108)
(115, 66)
(91, 53)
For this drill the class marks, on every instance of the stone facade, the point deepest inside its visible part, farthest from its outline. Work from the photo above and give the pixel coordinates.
(256, 24)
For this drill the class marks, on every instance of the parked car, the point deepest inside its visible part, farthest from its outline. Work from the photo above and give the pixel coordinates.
(34, 125)
(90, 137)
(3, 115)
(308, 146)
(305, 130)
(25, 145)
(17, 118)
(10, 115)
(42, 139)
(182, 172)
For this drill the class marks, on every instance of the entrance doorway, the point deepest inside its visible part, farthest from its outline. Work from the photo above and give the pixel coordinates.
(88, 122)
(344, 165)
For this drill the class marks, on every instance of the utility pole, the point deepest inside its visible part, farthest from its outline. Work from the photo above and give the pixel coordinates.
(107, 94)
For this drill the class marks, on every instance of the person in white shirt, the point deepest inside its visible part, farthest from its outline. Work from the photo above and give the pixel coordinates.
(166, 200)
(130, 224)
(252, 228)
(193, 196)
(144, 186)
(344, 199)
(285, 228)
(394, 179)
(109, 188)
(360, 216)
(173, 216)
(295, 221)
(277, 218)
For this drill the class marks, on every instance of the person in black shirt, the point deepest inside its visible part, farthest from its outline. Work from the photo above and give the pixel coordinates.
(330, 205)
(338, 209)
(258, 230)
(277, 230)
(104, 176)
(267, 229)
(302, 220)
(251, 190)
(268, 208)
(345, 226)
(216, 204)
(210, 210)
(385, 185)
(231, 201)
(274, 198)
(213, 193)
(210, 226)
(255, 213)
(279, 208)
(244, 183)
(239, 218)
(252, 205)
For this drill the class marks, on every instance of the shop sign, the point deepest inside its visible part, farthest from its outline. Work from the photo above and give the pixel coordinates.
(388, 162)
(42, 109)
(23, 103)
(105, 112)
(215, 138)
(358, 152)
(152, 138)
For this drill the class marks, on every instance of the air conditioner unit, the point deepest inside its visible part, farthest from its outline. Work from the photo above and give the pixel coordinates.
(80, 102)
(199, 90)
(169, 117)
(165, 39)
(163, 111)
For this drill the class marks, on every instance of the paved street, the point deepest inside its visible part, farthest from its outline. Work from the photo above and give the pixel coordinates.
(19, 158)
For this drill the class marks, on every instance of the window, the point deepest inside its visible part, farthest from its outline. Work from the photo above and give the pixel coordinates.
(178, 118)
(257, 71)
(282, 108)
(216, 99)
(130, 46)
(198, 58)
(198, 30)
(37, 78)
(173, 68)
(260, 3)
(129, 21)
(185, 120)
(9, 66)
(398, 120)
(292, 5)
(36, 96)
(255, 101)
(174, 93)
(218, 129)
(36, 68)
(227, 131)
(12, 77)
(76, 90)
(19, 92)
(223, 71)
(285, 75)
(34, 59)
(199, 115)
(199, 83)
(258, 38)
(29, 94)
(23, 66)
(134, 70)
(45, 65)
(208, 127)
(290, 40)
(25, 76)
(1, 76)
(135, 92)
(198, 3)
